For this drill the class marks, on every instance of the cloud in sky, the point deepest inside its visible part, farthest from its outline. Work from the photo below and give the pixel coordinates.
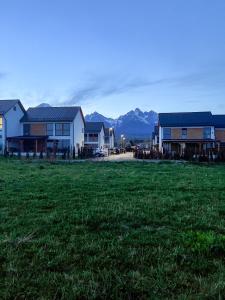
(96, 87)
(104, 86)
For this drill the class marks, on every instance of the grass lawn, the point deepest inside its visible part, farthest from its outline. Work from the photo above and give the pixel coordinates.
(112, 231)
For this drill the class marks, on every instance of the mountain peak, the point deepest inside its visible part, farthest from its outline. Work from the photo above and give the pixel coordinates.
(44, 105)
(134, 124)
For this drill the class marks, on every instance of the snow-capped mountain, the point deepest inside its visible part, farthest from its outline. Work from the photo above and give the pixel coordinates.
(44, 105)
(134, 124)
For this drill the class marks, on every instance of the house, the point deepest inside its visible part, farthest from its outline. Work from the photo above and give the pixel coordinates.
(109, 138)
(94, 135)
(192, 132)
(49, 129)
(219, 124)
(11, 112)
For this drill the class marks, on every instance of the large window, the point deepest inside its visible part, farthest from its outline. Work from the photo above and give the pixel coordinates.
(93, 137)
(184, 133)
(166, 133)
(1, 123)
(62, 129)
(207, 133)
(49, 129)
(63, 145)
(26, 129)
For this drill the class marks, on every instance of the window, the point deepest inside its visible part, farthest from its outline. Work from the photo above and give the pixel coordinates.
(1, 123)
(62, 129)
(63, 145)
(184, 133)
(85, 137)
(166, 133)
(26, 129)
(49, 129)
(93, 137)
(207, 133)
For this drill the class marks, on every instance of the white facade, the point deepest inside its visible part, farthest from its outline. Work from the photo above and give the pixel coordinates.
(11, 125)
(110, 143)
(98, 142)
(76, 132)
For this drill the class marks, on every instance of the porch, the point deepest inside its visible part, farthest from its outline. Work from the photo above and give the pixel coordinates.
(27, 144)
(190, 147)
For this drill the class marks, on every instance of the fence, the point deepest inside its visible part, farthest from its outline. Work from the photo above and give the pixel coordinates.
(65, 154)
(204, 156)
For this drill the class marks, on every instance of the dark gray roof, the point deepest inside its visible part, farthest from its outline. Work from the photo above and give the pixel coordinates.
(6, 105)
(51, 114)
(186, 119)
(92, 127)
(219, 121)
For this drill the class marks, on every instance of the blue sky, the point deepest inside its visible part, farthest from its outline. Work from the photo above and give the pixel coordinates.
(111, 56)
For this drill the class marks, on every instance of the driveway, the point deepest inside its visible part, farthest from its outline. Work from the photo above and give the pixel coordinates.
(117, 157)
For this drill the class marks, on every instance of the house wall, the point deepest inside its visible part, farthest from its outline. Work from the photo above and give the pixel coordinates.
(101, 139)
(78, 128)
(195, 133)
(175, 133)
(2, 134)
(38, 129)
(12, 121)
(112, 141)
(220, 134)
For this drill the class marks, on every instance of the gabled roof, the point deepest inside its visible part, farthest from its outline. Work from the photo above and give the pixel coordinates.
(219, 121)
(6, 105)
(92, 127)
(107, 130)
(185, 119)
(51, 114)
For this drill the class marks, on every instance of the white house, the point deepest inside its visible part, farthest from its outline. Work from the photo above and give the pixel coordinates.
(109, 138)
(49, 128)
(94, 136)
(11, 113)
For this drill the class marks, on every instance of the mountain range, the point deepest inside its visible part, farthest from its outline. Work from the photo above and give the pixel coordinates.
(135, 124)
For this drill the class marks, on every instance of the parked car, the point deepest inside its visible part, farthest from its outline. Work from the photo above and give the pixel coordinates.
(116, 151)
(100, 154)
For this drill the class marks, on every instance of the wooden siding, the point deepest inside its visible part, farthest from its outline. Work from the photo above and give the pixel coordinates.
(38, 129)
(220, 135)
(176, 133)
(192, 133)
(195, 133)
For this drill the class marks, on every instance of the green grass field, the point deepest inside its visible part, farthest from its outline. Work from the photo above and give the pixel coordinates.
(112, 231)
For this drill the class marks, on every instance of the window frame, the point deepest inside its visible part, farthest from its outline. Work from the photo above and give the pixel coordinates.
(184, 133)
(48, 130)
(24, 131)
(167, 136)
(207, 135)
(64, 132)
